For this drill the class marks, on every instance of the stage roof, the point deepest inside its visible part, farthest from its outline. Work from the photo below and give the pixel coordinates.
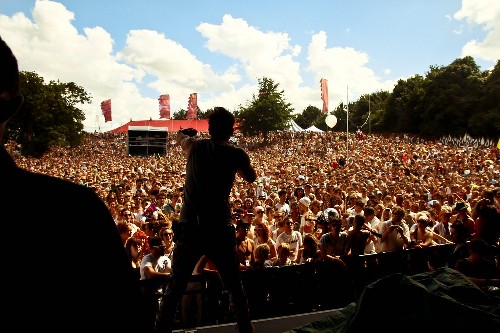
(171, 125)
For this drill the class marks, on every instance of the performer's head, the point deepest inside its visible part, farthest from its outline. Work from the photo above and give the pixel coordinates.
(220, 124)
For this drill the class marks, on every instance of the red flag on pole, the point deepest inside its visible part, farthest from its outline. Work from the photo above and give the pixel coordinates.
(164, 106)
(324, 94)
(192, 110)
(106, 110)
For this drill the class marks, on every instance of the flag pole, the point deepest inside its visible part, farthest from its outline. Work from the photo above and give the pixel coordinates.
(369, 115)
(347, 126)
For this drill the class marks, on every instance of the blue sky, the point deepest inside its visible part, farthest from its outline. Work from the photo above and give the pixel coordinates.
(133, 51)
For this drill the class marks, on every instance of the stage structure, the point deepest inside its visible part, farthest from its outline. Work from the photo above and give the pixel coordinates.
(147, 140)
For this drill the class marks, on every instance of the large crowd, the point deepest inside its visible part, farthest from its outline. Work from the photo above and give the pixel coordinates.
(317, 183)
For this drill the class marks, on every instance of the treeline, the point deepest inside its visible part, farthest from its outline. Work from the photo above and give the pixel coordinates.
(454, 100)
(450, 101)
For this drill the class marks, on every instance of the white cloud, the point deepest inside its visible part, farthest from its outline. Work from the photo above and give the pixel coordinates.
(345, 68)
(52, 47)
(260, 54)
(485, 13)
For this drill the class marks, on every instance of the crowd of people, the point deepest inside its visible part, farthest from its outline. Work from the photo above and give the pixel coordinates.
(315, 198)
(308, 183)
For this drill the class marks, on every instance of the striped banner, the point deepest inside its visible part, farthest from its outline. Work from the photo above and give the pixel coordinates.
(106, 110)
(192, 110)
(324, 94)
(164, 102)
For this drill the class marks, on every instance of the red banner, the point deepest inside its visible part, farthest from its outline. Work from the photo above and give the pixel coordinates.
(192, 110)
(324, 94)
(164, 101)
(106, 110)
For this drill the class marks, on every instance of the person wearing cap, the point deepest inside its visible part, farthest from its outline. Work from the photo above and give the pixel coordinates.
(260, 216)
(101, 279)
(304, 210)
(460, 212)
(211, 168)
(155, 264)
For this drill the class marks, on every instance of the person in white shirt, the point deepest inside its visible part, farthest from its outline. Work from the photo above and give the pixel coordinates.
(279, 225)
(304, 210)
(395, 232)
(357, 208)
(156, 263)
(374, 246)
(292, 237)
(442, 228)
(282, 205)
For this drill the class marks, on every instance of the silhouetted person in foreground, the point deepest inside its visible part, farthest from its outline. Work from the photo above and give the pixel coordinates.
(205, 227)
(66, 271)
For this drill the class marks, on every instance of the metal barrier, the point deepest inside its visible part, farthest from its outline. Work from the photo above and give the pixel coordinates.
(316, 286)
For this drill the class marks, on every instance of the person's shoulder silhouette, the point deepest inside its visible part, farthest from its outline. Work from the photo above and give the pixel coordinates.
(72, 271)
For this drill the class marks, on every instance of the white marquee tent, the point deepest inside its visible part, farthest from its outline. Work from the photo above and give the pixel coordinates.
(313, 128)
(293, 127)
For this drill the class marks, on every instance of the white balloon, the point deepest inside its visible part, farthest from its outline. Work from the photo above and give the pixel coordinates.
(331, 120)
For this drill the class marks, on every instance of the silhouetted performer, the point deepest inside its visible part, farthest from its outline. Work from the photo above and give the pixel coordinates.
(205, 227)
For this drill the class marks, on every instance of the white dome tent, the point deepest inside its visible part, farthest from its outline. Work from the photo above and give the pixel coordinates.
(313, 128)
(293, 127)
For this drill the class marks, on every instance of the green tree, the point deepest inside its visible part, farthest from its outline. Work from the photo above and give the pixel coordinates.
(266, 112)
(341, 113)
(308, 116)
(180, 115)
(320, 123)
(450, 98)
(402, 112)
(49, 116)
(359, 114)
(376, 106)
(203, 115)
(485, 122)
